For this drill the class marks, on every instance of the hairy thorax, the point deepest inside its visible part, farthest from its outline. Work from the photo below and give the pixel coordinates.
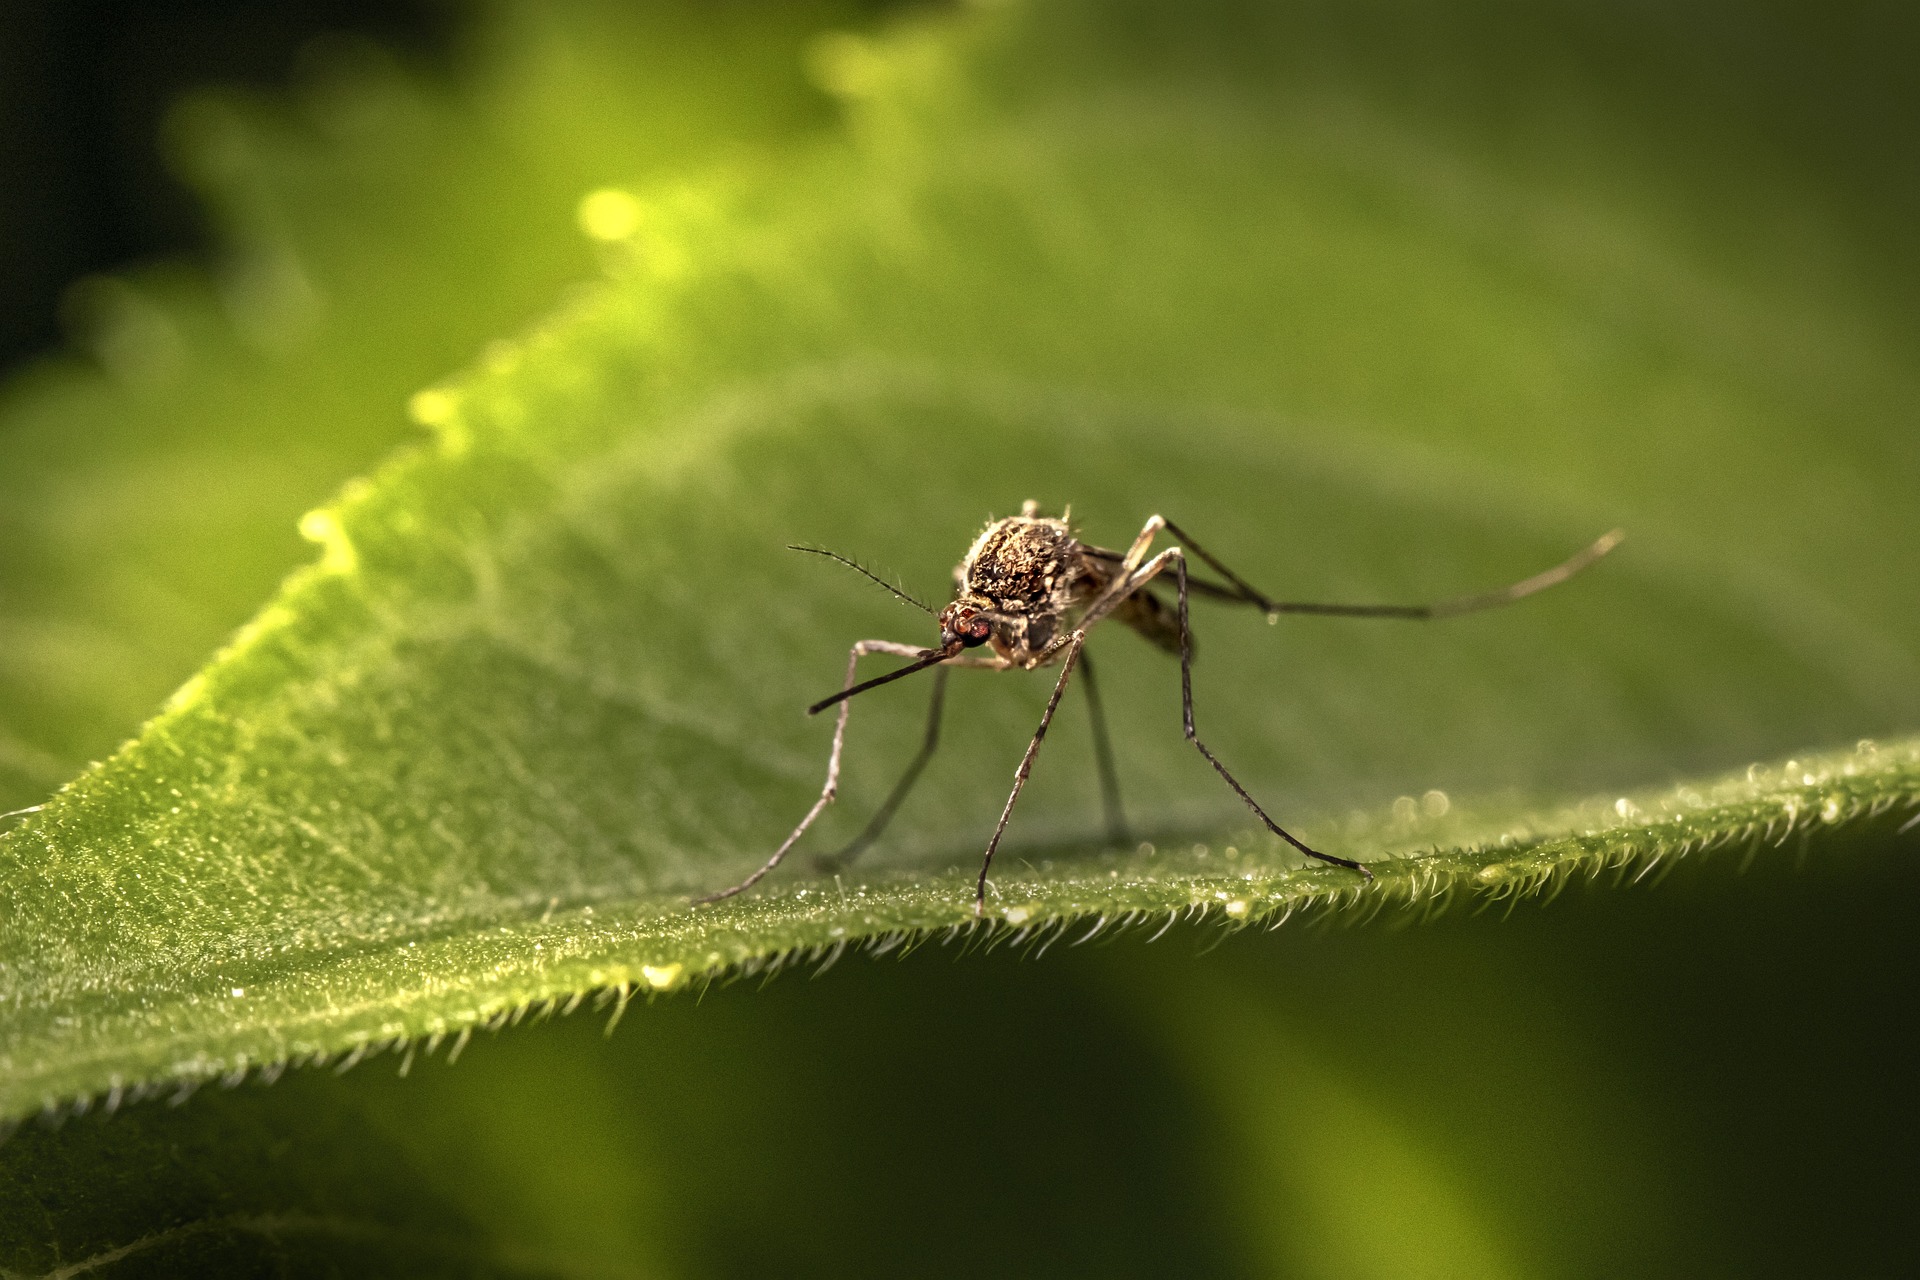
(1029, 573)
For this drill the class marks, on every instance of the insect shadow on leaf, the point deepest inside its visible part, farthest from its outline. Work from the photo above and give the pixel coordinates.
(1029, 592)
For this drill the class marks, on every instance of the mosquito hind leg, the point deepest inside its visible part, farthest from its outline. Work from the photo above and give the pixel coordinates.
(1242, 590)
(876, 827)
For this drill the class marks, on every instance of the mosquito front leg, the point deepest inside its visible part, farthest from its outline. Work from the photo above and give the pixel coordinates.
(827, 793)
(1072, 647)
(835, 861)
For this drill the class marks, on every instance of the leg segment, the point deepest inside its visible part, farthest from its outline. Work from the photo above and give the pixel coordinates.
(1138, 551)
(827, 793)
(1072, 647)
(1138, 579)
(1186, 713)
(1103, 756)
(835, 861)
(1245, 591)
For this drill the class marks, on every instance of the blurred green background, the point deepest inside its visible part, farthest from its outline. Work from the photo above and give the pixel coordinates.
(1703, 1077)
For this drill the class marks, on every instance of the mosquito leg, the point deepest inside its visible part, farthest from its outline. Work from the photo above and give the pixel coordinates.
(1134, 582)
(833, 862)
(1243, 590)
(1138, 551)
(1123, 584)
(1026, 766)
(1186, 713)
(1103, 757)
(827, 792)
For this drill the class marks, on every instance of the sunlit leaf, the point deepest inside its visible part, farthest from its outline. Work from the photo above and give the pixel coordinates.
(379, 229)
(543, 684)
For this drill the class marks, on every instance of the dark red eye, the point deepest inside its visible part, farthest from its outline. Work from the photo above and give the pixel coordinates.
(974, 632)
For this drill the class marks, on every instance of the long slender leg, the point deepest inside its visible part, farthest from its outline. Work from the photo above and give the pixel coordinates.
(1243, 590)
(1103, 756)
(827, 793)
(1129, 579)
(1186, 712)
(1026, 765)
(878, 824)
(1134, 582)
(1144, 539)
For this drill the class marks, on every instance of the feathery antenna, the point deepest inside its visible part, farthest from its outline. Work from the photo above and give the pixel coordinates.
(865, 573)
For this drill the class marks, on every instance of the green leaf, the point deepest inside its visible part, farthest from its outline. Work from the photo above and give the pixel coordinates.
(1113, 1108)
(379, 229)
(544, 682)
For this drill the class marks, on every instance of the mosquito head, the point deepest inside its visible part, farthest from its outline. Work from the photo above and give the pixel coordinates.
(966, 622)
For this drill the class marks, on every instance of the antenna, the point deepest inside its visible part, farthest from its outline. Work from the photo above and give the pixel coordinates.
(865, 573)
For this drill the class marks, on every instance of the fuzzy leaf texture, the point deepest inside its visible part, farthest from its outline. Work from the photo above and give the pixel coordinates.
(544, 682)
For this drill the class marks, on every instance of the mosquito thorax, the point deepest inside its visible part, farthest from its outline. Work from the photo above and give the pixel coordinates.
(1022, 563)
(1025, 572)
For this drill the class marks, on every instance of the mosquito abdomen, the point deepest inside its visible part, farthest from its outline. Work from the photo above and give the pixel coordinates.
(1152, 618)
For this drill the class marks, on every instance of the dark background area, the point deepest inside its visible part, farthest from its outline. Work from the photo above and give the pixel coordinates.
(84, 86)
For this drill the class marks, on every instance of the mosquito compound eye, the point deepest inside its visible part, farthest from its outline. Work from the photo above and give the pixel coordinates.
(974, 632)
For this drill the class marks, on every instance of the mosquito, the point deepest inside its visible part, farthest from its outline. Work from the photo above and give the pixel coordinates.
(1029, 592)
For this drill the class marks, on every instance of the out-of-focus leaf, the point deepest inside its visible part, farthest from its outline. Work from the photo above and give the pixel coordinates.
(1627, 1082)
(379, 231)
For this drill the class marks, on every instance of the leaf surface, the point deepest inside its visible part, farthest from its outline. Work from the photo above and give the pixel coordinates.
(544, 682)
(377, 228)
